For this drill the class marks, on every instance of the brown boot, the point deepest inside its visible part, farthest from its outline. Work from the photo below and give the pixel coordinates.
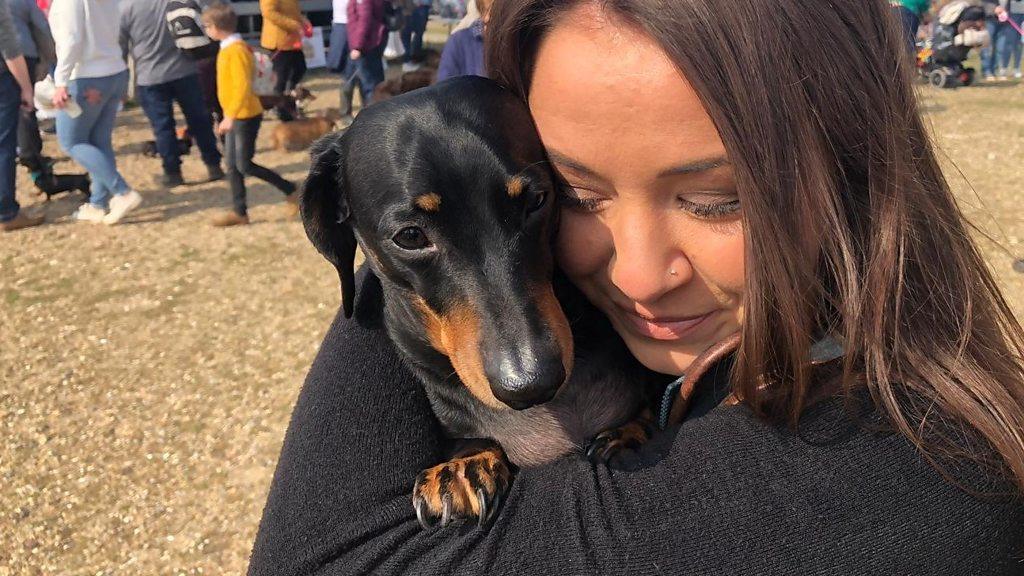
(229, 219)
(20, 221)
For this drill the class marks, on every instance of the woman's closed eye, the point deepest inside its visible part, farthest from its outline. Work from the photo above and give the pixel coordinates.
(710, 206)
(574, 199)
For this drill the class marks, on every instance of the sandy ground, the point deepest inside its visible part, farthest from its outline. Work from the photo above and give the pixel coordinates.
(147, 370)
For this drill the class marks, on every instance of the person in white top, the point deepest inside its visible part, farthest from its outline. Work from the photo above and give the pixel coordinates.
(91, 72)
(337, 54)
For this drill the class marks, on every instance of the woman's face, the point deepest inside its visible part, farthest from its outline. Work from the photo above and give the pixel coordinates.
(651, 229)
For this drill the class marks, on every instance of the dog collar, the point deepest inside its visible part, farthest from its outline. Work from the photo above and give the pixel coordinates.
(676, 397)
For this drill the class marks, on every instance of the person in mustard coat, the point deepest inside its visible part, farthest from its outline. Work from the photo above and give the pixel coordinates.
(283, 28)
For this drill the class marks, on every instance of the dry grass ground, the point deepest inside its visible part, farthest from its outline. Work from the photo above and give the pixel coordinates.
(148, 370)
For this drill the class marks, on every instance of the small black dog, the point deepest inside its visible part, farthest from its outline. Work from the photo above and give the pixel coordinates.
(449, 195)
(52, 184)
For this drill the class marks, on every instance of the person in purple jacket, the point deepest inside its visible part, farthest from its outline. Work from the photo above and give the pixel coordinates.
(463, 54)
(367, 37)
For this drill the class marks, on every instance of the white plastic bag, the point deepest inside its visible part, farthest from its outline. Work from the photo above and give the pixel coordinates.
(394, 49)
(44, 90)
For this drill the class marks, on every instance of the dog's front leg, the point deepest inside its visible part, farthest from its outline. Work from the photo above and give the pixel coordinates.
(471, 484)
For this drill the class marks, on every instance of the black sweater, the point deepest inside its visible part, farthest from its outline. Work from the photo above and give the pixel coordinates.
(723, 493)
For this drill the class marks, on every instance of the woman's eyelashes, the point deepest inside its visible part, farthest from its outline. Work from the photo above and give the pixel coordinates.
(716, 207)
(710, 210)
(568, 198)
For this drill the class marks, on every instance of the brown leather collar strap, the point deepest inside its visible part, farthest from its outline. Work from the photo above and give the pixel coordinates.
(701, 364)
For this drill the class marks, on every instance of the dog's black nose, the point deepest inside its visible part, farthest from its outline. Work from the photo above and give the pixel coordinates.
(523, 381)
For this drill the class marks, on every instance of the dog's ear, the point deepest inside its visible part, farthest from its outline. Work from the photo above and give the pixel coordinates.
(326, 215)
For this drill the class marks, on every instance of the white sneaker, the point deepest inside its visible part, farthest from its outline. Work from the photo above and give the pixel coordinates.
(89, 213)
(410, 67)
(121, 205)
(1017, 75)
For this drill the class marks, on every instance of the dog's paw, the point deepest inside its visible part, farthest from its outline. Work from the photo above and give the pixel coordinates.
(470, 486)
(609, 444)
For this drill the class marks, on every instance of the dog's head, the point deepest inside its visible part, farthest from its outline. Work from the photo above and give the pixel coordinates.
(451, 199)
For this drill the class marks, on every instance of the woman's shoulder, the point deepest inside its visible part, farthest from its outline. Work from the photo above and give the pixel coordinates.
(848, 473)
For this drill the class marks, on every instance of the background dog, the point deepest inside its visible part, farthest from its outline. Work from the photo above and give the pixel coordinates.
(449, 195)
(299, 134)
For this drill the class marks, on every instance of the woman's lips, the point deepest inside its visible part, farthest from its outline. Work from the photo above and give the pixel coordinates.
(664, 328)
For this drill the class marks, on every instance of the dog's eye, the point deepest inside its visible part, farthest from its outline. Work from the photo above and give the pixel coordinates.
(537, 203)
(411, 238)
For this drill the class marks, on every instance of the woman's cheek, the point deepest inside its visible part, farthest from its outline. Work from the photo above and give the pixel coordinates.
(583, 246)
(720, 256)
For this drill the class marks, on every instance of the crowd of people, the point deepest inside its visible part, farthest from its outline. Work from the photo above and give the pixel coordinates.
(1000, 57)
(185, 52)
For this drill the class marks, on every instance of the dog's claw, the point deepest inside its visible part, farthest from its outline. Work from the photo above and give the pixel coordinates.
(447, 492)
(595, 450)
(630, 436)
(446, 509)
(481, 498)
(422, 514)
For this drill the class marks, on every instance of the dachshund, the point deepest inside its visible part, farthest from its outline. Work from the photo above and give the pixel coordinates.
(448, 193)
(299, 134)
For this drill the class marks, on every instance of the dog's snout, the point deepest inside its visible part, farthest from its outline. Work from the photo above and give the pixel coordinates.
(522, 381)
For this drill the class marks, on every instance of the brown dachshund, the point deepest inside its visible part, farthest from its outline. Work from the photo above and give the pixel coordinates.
(299, 134)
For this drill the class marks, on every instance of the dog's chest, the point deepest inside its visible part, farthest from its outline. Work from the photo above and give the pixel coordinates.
(591, 402)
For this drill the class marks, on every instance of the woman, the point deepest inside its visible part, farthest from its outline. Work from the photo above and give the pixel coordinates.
(367, 37)
(761, 171)
(91, 72)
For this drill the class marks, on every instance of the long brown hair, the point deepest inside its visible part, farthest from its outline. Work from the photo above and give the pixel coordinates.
(851, 228)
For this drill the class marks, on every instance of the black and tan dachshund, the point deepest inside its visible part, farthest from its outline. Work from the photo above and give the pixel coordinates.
(448, 193)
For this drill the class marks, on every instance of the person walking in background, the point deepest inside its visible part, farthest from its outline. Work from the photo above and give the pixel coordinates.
(164, 76)
(910, 13)
(38, 48)
(15, 96)
(412, 34)
(996, 30)
(91, 73)
(242, 114)
(1013, 39)
(283, 27)
(463, 54)
(337, 56)
(367, 37)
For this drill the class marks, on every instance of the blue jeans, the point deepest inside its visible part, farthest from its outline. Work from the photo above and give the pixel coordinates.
(993, 53)
(10, 106)
(158, 104)
(1012, 44)
(87, 138)
(368, 70)
(412, 33)
(337, 56)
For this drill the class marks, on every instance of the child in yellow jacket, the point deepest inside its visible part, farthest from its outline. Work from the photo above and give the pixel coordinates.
(243, 113)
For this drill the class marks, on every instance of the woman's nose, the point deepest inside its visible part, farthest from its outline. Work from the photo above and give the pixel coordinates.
(646, 263)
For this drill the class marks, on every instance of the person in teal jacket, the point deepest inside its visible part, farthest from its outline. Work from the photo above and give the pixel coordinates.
(910, 12)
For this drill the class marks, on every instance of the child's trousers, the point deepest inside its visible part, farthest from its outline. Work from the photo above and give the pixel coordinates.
(239, 148)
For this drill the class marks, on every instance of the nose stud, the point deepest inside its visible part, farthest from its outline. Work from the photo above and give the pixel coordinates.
(672, 272)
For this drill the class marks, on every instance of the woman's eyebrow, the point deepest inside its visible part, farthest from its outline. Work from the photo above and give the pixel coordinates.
(566, 162)
(696, 167)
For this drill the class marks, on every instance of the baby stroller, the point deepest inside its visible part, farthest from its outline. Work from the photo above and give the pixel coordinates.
(960, 27)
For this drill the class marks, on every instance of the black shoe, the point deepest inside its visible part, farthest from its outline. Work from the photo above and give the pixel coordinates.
(172, 179)
(215, 172)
